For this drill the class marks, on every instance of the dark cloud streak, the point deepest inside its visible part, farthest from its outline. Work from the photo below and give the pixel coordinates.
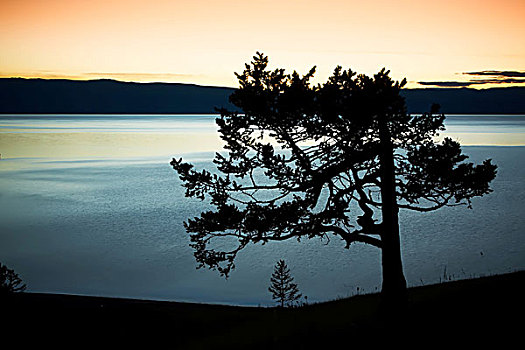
(498, 73)
(445, 83)
(496, 77)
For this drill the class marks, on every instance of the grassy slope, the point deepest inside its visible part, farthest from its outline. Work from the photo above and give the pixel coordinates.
(469, 311)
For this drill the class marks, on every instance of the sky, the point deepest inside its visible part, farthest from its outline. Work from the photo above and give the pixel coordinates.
(430, 43)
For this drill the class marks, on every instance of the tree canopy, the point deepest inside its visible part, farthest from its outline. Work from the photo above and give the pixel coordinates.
(338, 158)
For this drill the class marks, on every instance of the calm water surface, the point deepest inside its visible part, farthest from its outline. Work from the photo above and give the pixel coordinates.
(90, 205)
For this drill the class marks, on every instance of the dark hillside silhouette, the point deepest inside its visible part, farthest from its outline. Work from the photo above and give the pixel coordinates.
(352, 157)
(469, 312)
(108, 96)
(509, 100)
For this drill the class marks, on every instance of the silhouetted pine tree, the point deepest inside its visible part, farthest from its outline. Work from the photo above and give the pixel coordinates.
(283, 290)
(10, 282)
(335, 159)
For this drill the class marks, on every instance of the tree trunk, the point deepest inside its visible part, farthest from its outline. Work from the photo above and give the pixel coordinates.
(394, 289)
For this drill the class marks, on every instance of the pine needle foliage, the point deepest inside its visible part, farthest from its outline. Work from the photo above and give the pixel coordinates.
(316, 161)
(10, 282)
(283, 290)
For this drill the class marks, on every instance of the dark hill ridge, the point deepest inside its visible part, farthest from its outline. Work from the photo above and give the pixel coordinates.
(509, 100)
(468, 312)
(60, 96)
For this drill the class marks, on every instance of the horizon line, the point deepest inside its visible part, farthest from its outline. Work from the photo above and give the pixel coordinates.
(79, 79)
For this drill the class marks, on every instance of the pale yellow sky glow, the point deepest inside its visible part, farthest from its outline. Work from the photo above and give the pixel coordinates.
(204, 42)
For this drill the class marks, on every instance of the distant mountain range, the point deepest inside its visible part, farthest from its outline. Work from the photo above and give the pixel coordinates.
(59, 96)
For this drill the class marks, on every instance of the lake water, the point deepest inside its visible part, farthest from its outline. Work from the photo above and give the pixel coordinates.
(90, 205)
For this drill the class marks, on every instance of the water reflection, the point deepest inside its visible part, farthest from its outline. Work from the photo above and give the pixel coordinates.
(90, 205)
(489, 130)
(120, 136)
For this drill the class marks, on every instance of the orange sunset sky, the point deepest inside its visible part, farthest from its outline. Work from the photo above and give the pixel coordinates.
(205, 42)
